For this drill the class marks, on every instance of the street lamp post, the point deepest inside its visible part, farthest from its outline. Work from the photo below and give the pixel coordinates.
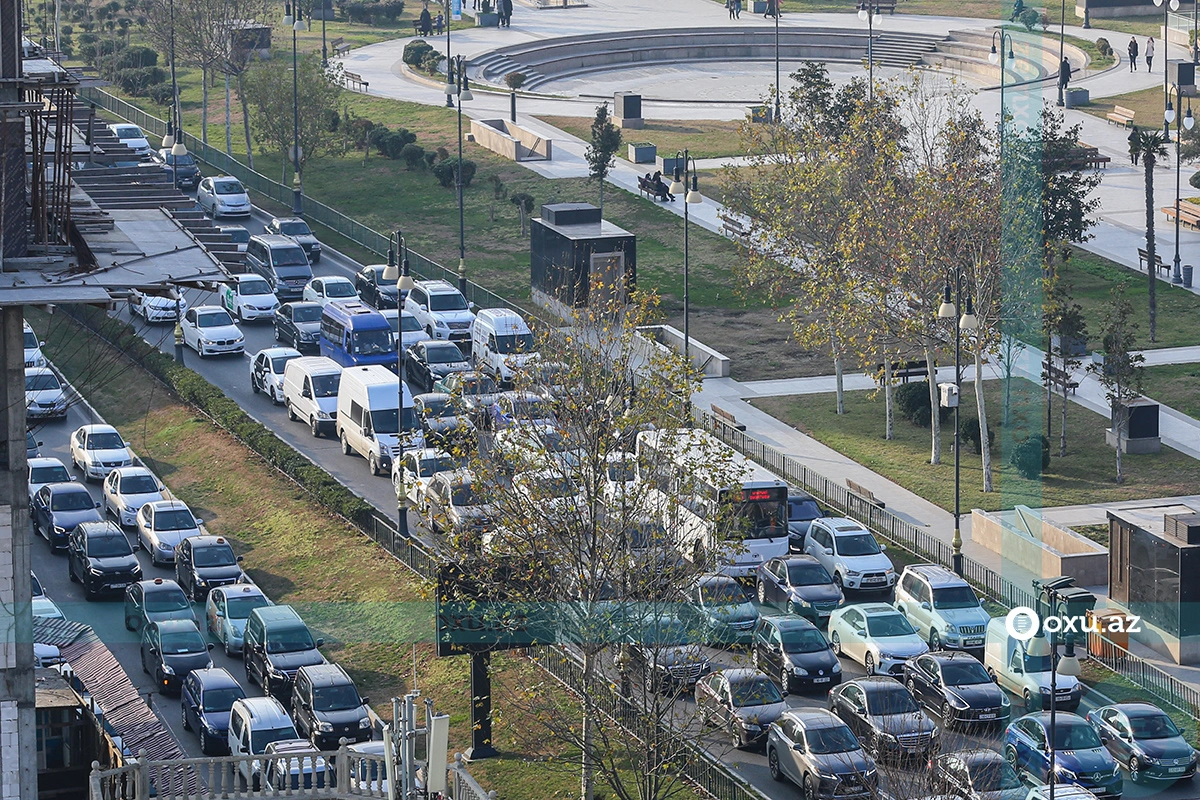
(679, 185)
(1067, 665)
(968, 322)
(778, 88)
(1009, 62)
(1167, 6)
(298, 25)
(868, 12)
(449, 58)
(404, 284)
(324, 49)
(1181, 121)
(1062, 51)
(175, 115)
(456, 84)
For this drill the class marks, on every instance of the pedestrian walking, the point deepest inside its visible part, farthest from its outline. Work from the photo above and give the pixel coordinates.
(772, 9)
(1133, 53)
(508, 9)
(729, 7)
(1134, 148)
(1149, 53)
(737, 9)
(1064, 73)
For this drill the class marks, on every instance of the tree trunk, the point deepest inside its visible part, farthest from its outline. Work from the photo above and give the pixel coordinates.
(935, 417)
(1120, 427)
(889, 414)
(228, 126)
(1062, 420)
(839, 375)
(204, 110)
(1148, 160)
(588, 776)
(601, 197)
(985, 452)
(245, 121)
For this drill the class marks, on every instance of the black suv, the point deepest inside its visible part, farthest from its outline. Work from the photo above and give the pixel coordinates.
(327, 707)
(956, 687)
(298, 230)
(792, 650)
(885, 718)
(182, 167)
(100, 557)
(203, 562)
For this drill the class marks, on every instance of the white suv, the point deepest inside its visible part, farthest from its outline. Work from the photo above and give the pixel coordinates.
(850, 554)
(33, 347)
(441, 309)
(255, 722)
(942, 607)
(248, 297)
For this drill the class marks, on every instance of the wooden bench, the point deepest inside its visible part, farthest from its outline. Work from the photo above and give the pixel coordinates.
(1122, 115)
(1058, 378)
(1189, 214)
(1090, 156)
(905, 370)
(884, 5)
(864, 493)
(646, 187)
(433, 28)
(733, 227)
(354, 80)
(723, 417)
(339, 46)
(1144, 258)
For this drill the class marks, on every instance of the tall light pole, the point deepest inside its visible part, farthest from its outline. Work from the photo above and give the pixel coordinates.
(1062, 51)
(1010, 61)
(456, 84)
(868, 12)
(324, 49)
(449, 78)
(968, 322)
(1186, 121)
(1067, 665)
(298, 25)
(404, 285)
(778, 87)
(168, 139)
(687, 180)
(1167, 7)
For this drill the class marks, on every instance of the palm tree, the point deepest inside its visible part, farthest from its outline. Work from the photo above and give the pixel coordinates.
(1152, 145)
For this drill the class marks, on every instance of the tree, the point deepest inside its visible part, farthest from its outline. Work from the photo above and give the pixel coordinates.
(1064, 320)
(1122, 371)
(602, 150)
(499, 195)
(524, 203)
(1151, 145)
(268, 89)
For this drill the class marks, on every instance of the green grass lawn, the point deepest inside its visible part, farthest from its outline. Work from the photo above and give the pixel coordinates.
(1147, 104)
(1085, 475)
(703, 138)
(1175, 385)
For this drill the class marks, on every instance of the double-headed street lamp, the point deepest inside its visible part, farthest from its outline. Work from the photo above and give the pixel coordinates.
(968, 322)
(869, 13)
(1010, 61)
(298, 24)
(1066, 665)
(456, 84)
(1186, 121)
(1167, 6)
(687, 180)
(1062, 52)
(404, 285)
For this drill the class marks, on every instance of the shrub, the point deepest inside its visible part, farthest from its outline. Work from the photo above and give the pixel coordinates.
(360, 131)
(430, 158)
(413, 155)
(371, 12)
(1194, 181)
(431, 61)
(415, 52)
(445, 169)
(138, 80)
(136, 56)
(1031, 457)
(442, 154)
(391, 143)
(1030, 18)
(912, 403)
(968, 431)
(1103, 47)
(330, 119)
(160, 94)
(515, 80)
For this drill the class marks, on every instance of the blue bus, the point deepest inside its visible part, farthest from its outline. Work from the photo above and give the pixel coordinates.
(355, 335)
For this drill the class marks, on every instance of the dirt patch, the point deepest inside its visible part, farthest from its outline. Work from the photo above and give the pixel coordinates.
(759, 345)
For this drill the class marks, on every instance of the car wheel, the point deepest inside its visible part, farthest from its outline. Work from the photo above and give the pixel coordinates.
(1010, 755)
(253, 384)
(911, 685)
(762, 593)
(429, 330)
(735, 738)
(249, 673)
(144, 664)
(278, 338)
(948, 720)
(773, 764)
(935, 640)
(314, 427)
(869, 663)
(1135, 769)
(228, 651)
(837, 581)
(346, 451)
(274, 400)
(1027, 698)
(187, 725)
(129, 627)
(835, 641)
(373, 463)
(291, 413)
(791, 609)
(205, 747)
(239, 316)
(810, 791)
(785, 679)
(90, 593)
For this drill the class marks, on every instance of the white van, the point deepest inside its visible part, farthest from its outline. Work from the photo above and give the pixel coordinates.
(1021, 668)
(501, 343)
(310, 390)
(367, 418)
(255, 722)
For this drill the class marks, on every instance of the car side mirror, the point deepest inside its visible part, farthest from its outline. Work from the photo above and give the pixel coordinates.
(153, 650)
(784, 692)
(882, 547)
(239, 559)
(211, 646)
(424, 307)
(127, 444)
(305, 393)
(97, 504)
(925, 606)
(366, 701)
(798, 747)
(861, 634)
(320, 642)
(199, 521)
(828, 551)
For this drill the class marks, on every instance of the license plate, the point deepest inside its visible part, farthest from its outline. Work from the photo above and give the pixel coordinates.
(820, 680)
(987, 716)
(1177, 770)
(874, 580)
(976, 642)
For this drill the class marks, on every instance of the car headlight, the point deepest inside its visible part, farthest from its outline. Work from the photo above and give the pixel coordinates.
(60, 530)
(94, 571)
(167, 669)
(829, 777)
(836, 668)
(800, 672)
(201, 582)
(203, 341)
(323, 415)
(951, 629)
(1004, 702)
(41, 361)
(325, 727)
(885, 656)
(306, 337)
(316, 246)
(958, 702)
(1066, 773)
(887, 737)
(275, 673)
(1045, 690)
(1149, 759)
(364, 723)
(1195, 755)
(441, 323)
(800, 601)
(239, 340)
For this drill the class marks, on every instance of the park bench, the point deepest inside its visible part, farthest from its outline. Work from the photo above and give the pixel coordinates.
(1189, 214)
(903, 370)
(1144, 258)
(733, 226)
(646, 187)
(1090, 156)
(1122, 115)
(864, 493)
(723, 417)
(354, 80)
(433, 28)
(885, 5)
(1058, 378)
(339, 46)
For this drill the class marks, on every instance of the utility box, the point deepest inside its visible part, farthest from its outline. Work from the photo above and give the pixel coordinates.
(949, 395)
(1183, 75)
(573, 254)
(627, 110)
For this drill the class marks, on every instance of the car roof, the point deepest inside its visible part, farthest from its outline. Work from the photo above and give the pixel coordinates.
(245, 276)
(275, 352)
(126, 472)
(875, 609)
(712, 578)
(230, 227)
(167, 505)
(742, 674)
(803, 558)
(251, 589)
(326, 674)
(1138, 709)
(176, 626)
(1043, 718)
(423, 453)
(786, 623)
(943, 656)
(972, 757)
(266, 710)
(38, 371)
(65, 487)
(333, 278)
(198, 309)
(814, 717)
(878, 683)
(291, 746)
(795, 494)
(303, 304)
(45, 461)
(215, 678)
(159, 585)
(288, 219)
(225, 178)
(102, 528)
(207, 541)
(97, 429)
(457, 477)
(937, 575)
(276, 240)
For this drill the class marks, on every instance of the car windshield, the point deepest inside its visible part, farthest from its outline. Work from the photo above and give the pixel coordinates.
(218, 700)
(530, 408)
(464, 495)
(1153, 726)
(31, 340)
(1075, 735)
(722, 593)
(807, 574)
(383, 420)
(228, 187)
(757, 691)
(259, 739)
(72, 501)
(326, 385)
(279, 362)
(339, 289)
(428, 467)
(175, 519)
(55, 474)
(290, 257)
(184, 160)
(41, 382)
(646, 535)
(802, 510)
(824, 741)
(443, 353)
(480, 384)
(804, 640)
(857, 544)
(238, 235)
(994, 776)
(105, 441)
(295, 227)
(169, 599)
(128, 132)
(884, 625)
(213, 319)
(373, 343)
(447, 301)
(139, 484)
(335, 698)
(37, 585)
(214, 555)
(290, 640)
(888, 701)
(622, 471)
(108, 547)
(965, 672)
(955, 597)
(663, 630)
(434, 408)
(409, 323)
(239, 607)
(306, 314)
(182, 642)
(1037, 663)
(256, 287)
(514, 343)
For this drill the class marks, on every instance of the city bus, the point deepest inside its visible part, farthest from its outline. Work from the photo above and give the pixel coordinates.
(717, 504)
(355, 335)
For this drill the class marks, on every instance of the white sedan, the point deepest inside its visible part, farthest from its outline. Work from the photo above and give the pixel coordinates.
(162, 525)
(128, 489)
(875, 635)
(223, 196)
(44, 470)
(266, 371)
(132, 137)
(97, 450)
(248, 296)
(155, 307)
(44, 395)
(210, 331)
(328, 290)
(413, 473)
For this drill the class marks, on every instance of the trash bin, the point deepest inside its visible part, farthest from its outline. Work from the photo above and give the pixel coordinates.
(1076, 97)
(1187, 275)
(1102, 620)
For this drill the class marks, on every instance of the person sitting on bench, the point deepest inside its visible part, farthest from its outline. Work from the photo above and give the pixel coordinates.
(439, 23)
(660, 189)
(425, 22)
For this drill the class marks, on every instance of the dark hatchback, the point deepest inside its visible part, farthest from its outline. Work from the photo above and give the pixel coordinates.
(206, 699)
(373, 289)
(956, 687)
(171, 650)
(885, 717)
(793, 651)
(100, 557)
(205, 562)
(183, 167)
(58, 508)
(299, 325)
(799, 585)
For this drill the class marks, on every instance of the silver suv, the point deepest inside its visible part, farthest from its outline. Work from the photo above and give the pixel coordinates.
(441, 309)
(942, 607)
